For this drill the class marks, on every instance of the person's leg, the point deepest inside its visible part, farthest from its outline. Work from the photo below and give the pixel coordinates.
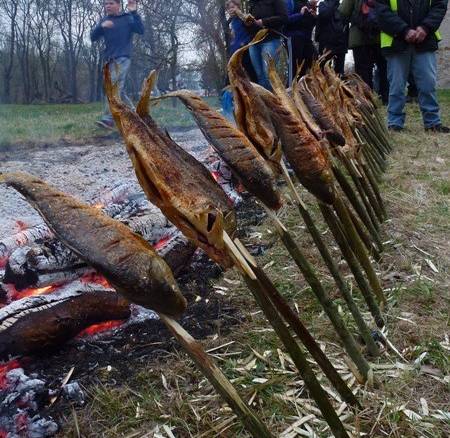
(309, 54)
(257, 61)
(297, 54)
(269, 49)
(398, 67)
(119, 71)
(364, 64)
(339, 63)
(424, 70)
(382, 75)
(248, 66)
(124, 66)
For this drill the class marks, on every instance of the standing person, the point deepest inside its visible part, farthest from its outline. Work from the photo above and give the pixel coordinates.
(409, 40)
(301, 21)
(240, 35)
(364, 40)
(117, 28)
(270, 14)
(332, 34)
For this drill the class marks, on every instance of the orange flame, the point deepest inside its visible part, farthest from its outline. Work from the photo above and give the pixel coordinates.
(31, 292)
(100, 328)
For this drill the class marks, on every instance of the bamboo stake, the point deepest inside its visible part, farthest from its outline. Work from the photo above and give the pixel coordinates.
(359, 248)
(334, 270)
(368, 172)
(298, 357)
(371, 225)
(368, 243)
(261, 285)
(375, 215)
(217, 379)
(321, 295)
(352, 262)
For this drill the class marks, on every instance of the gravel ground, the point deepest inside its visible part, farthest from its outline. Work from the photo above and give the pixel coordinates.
(81, 170)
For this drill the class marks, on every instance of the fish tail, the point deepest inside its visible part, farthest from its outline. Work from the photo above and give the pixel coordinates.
(147, 87)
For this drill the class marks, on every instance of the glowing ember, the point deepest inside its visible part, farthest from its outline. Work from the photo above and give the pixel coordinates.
(98, 206)
(4, 369)
(161, 243)
(216, 175)
(95, 278)
(21, 226)
(100, 328)
(31, 292)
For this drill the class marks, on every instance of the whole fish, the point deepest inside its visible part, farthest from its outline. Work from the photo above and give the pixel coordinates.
(126, 260)
(251, 115)
(320, 114)
(174, 181)
(306, 155)
(234, 148)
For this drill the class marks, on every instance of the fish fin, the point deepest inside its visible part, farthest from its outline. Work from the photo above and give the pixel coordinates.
(147, 87)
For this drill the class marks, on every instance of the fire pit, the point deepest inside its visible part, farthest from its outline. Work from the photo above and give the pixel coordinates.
(49, 312)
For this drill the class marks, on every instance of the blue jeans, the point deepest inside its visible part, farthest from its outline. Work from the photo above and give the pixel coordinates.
(119, 71)
(258, 55)
(422, 65)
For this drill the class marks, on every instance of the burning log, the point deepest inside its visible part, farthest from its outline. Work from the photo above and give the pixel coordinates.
(44, 321)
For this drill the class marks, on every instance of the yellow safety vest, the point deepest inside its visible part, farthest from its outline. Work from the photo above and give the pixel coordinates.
(387, 40)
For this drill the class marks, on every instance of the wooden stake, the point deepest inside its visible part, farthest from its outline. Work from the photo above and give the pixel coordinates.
(352, 262)
(318, 290)
(267, 288)
(373, 184)
(333, 268)
(358, 248)
(217, 379)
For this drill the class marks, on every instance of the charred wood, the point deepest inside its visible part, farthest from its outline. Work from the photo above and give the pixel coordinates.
(40, 322)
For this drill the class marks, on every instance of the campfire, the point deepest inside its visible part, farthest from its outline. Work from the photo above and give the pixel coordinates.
(48, 296)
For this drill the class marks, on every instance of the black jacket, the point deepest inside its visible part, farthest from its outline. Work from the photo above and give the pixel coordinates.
(410, 14)
(331, 29)
(272, 12)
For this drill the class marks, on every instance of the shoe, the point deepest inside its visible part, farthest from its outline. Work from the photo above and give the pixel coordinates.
(438, 128)
(395, 128)
(107, 124)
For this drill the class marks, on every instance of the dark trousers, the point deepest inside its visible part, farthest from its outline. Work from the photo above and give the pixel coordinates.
(303, 51)
(366, 58)
(338, 60)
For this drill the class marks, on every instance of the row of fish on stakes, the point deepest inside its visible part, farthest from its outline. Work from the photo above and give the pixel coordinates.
(323, 146)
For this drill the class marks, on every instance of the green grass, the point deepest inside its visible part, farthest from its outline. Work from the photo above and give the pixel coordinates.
(31, 124)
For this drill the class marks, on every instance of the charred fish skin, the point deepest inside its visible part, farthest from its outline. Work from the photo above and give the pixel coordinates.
(252, 116)
(305, 154)
(126, 260)
(201, 210)
(234, 148)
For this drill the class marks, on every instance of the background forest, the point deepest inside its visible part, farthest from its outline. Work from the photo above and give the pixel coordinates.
(46, 54)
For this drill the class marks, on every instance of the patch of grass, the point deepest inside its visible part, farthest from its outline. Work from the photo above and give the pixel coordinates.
(31, 124)
(416, 197)
(436, 355)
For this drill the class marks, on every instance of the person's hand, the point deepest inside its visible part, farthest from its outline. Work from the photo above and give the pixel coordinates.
(304, 10)
(107, 24)
(259, 23)
(232, 9)
(132, 5)
(421, 34)
(410, 36)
